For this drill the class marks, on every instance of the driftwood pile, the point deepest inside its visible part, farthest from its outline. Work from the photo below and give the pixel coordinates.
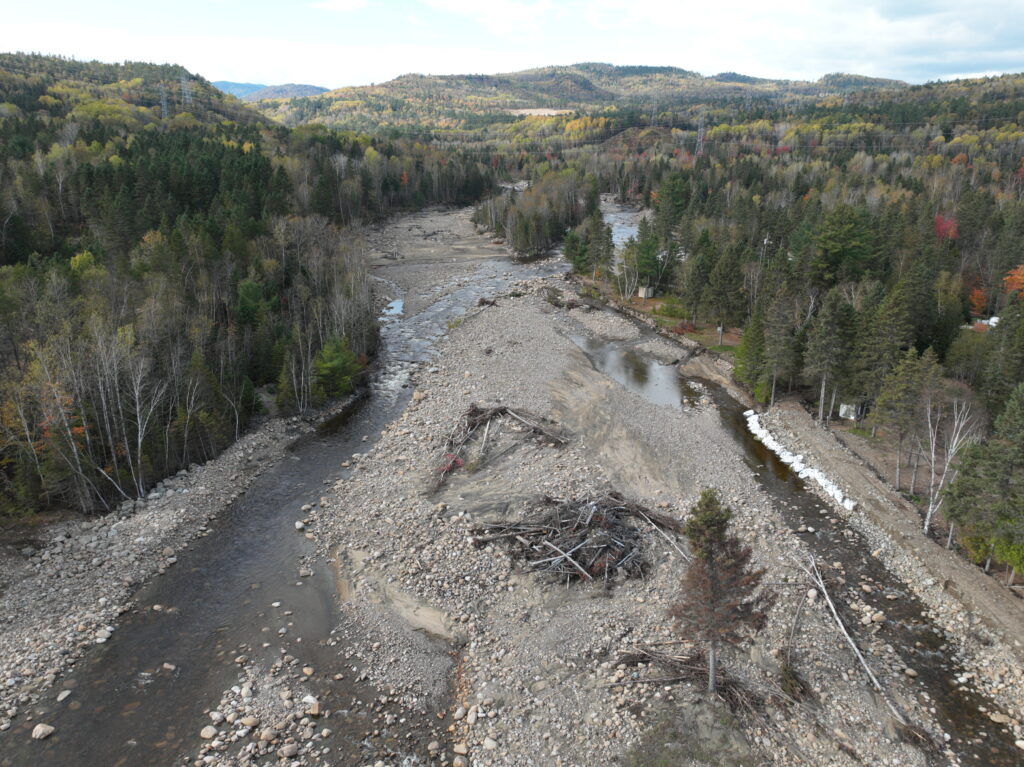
(475, 427)
(586, 539)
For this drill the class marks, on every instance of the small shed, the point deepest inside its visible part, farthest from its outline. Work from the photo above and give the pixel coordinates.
(645, 291)
(849, 412)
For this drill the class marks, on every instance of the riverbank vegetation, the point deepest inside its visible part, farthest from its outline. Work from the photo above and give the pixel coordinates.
(848, 241)
(168, 253)
(164, 254)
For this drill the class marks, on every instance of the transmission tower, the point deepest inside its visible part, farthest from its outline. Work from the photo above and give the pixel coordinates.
(186, 90)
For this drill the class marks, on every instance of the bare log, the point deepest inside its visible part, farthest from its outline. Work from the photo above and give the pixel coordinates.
(812, 572)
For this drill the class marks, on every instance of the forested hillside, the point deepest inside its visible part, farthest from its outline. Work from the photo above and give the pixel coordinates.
(166, 251)
(163, 254)
(473, 102)
(851, 239)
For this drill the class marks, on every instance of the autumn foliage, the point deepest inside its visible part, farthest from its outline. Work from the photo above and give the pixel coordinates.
(979, 300)
(945, 228)
(1013, 282)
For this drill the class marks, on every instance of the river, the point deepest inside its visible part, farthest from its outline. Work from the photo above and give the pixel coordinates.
(129, 708)
(141, 698)
(919, 644)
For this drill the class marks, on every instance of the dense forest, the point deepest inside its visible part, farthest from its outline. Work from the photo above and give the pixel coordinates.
(856, 243)
(168, 258)
(455, 105)
(164, 254)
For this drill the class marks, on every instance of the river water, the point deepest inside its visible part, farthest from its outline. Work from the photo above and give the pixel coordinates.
(127, 707)
(974, 738)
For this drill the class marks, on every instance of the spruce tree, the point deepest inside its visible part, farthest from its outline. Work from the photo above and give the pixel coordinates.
(883, 336)
(897, 403)
(693, 277)
(844, 247)
(827, 346)
(1004, 365)
(723, 295)
(781, 349)
(750, 355)
(718, 604)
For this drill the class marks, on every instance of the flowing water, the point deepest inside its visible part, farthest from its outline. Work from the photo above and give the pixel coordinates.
(127, 707)
(624, 221)
(918, 643)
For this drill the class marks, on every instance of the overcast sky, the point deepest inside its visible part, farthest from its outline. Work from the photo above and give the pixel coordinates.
(355, 42)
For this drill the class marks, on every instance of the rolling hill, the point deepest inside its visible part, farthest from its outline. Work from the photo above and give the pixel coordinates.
(467, 100)
(257, 91)
(132, 93)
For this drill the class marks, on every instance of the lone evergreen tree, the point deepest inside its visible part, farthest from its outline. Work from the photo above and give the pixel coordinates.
(717, 603)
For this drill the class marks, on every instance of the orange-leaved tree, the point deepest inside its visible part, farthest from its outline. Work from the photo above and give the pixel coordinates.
(1013, 282)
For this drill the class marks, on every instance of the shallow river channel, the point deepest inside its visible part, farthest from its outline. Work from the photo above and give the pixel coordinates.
(130, 709)
(140, 698)
(919, 644)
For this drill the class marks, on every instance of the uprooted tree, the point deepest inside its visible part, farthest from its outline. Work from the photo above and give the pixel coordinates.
(718, 603)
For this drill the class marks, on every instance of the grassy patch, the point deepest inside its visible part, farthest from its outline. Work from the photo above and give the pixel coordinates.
(671, 307)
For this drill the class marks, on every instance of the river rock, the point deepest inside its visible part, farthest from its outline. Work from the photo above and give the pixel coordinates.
(41, 731)
(289, 750)
(208, 732)
(249, 721)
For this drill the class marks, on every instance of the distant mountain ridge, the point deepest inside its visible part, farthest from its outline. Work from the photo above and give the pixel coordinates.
(588, 86)
(258, 91)
(238, 90)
